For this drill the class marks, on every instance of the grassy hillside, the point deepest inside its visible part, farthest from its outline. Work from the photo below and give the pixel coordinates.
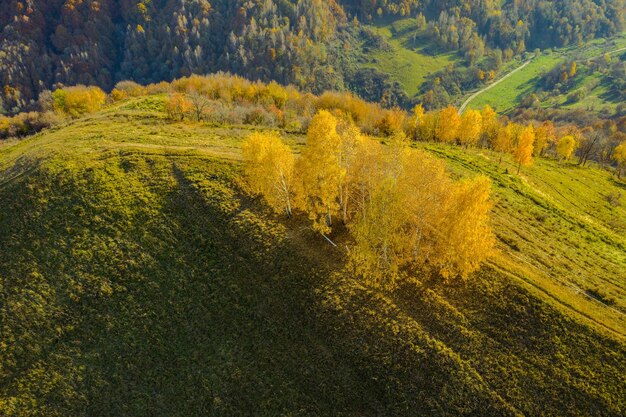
(509, 94)
(411, 56)
(136, 278)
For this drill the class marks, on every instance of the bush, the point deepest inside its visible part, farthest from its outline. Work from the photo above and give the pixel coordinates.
(79, 100)
(24, 124)
(576, 96)
(130, 88)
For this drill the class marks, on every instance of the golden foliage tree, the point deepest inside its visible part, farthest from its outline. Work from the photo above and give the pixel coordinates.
(363, 174)
(416, 215)
(503, 140)
(427, 127)
(448, 124)
(320, 171)
(416, 121)
(177, 106)
(470, 128)
(349, 152)
(619, 156)
(490, 124)
(269, 169)
(465, 238)
(523, 152)
(544, 136)
(566, 147)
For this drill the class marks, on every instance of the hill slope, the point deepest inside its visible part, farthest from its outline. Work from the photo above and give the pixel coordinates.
(510, 93)
(136, 278)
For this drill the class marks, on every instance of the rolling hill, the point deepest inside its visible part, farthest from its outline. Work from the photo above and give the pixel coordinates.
(137, 277)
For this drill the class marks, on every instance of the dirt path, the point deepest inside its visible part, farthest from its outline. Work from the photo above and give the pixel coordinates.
(479, 92)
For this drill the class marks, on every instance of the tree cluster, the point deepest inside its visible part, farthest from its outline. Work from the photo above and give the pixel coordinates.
(402, 209)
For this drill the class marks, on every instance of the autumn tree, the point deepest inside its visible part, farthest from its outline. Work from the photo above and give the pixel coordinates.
(427, 127)
(523, 152)
(199, 104)
(320, 171)
(349, 152)
(417, 120)
(465, 238)
(544, 136)
(565, 148)
(177, 106)
(590, 139)
(448, 124)
(470, 128)
(269, 169)
(415, 215)
(619, 156)
(503, 141)
(490, 124)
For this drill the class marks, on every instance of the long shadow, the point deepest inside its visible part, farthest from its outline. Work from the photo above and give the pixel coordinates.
(225, 324)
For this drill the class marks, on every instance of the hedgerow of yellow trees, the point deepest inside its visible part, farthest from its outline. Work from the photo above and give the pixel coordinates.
(402, 209)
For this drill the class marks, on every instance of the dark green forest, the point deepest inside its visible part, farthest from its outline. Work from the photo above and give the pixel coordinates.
(308, 43)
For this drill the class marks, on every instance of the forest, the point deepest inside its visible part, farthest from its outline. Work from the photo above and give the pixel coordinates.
(307, 43)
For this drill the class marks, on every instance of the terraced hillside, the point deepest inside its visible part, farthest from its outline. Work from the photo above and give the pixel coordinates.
(137, 278)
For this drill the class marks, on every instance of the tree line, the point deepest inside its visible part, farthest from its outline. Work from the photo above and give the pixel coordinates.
(224, 99)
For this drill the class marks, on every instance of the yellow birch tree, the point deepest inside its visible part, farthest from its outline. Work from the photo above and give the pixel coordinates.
(566, 147)
(503, 141)
(544, 136)
(269, 170)
(490, 125)
(465, 238)
(619, 156)
(470, 128)
(448, 124)
(320, 171)
(523, 152)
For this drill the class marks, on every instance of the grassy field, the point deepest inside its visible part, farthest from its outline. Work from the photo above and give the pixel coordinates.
(409, 61)
(136, 278)
(509, 94)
